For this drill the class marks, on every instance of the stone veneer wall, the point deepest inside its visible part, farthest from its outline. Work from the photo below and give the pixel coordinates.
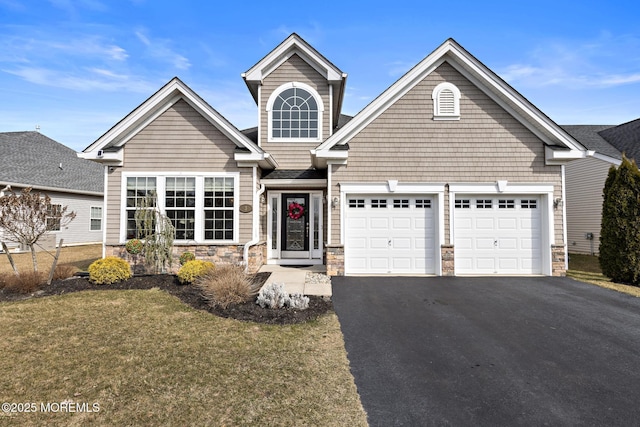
(227, 254)
(448, 260)
(334, 259)
(558, 258)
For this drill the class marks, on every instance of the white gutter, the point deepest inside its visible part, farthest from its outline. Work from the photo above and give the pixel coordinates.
(256, 218)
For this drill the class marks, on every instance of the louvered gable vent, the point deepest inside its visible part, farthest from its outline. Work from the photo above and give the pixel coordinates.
(446, 102)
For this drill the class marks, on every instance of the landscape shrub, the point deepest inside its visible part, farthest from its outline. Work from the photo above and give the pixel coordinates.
(192, 270)
(273, 295)
(64, 271)
(109, 270)
(186, 257)
(134, 246)
(620, 233)
(226, 285)
(298, 301)
(25, 282)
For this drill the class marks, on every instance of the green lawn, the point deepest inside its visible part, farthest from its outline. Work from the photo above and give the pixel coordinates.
(148, 359)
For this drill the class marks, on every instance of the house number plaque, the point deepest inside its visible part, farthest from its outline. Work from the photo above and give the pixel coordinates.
(245, 208)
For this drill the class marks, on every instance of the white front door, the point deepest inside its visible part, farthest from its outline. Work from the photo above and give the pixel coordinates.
(294, 227)
(390, 234)
(497, 235)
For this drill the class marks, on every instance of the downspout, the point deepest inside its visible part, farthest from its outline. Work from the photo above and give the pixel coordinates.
(564, 221)
(256, 219)
(104, 211)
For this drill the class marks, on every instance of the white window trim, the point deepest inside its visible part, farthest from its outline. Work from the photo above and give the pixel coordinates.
(199, 215)
(92, 218)
(435, 96)
(50, 217)
(275, 95)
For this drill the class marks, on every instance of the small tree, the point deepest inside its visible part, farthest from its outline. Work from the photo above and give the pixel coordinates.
(27, 216)
(620, 233)
(156, 232)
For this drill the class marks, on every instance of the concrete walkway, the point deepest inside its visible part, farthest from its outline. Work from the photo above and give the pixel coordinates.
(294, 279)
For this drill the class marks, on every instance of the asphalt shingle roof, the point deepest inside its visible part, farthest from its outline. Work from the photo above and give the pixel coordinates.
(590, 137)
(33, 159)
(626, 138)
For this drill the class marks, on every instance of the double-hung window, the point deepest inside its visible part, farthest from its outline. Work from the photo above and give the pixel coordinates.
(140, 194)
(54, 213)
(180, 205)
(219, 208)
(202, 208)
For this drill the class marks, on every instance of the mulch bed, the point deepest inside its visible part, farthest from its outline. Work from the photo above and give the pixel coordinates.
(249, 311)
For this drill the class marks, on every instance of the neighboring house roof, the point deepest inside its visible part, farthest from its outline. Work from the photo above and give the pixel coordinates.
(107, 148)
(625, 138)
(560, 145)
(591, 137)
(32, 159)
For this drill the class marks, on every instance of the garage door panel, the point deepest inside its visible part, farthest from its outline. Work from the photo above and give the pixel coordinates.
(395, 240)
(483, 243)
(507, 224)
(379, 223)
(357, 242)
(506, 237)
(485, 224)
(464, 224)
(401, 223)
(401, 243)
(508, 243)
(485, 263)
(378, 243)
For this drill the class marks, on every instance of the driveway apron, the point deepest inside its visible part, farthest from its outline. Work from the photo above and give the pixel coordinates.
(491, 351)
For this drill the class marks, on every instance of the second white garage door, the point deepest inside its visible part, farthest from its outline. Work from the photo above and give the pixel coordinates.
(389, 235)
(497, 235)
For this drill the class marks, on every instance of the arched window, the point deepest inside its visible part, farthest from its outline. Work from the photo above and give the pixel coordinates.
(295, 112)
(446, 102)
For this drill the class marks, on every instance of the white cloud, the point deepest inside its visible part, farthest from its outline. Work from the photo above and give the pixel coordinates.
(85, 80)
(160, 49)
(605, 62)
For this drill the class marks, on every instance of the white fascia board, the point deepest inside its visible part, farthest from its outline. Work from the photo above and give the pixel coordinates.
(383, 188)
(16, 185)
(492, 188)
(109, 158)
(264, 160)
(320, 158)
(295, 183)
(607, 159)
(557, 157)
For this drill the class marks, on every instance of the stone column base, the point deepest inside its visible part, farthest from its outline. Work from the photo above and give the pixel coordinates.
(558, 258)
(334, 255)
(448, 260)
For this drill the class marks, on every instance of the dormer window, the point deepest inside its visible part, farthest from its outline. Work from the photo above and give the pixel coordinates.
(446, 102)
(295, 113)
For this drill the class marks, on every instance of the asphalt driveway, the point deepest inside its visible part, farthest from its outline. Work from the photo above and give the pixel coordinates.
(491, 351)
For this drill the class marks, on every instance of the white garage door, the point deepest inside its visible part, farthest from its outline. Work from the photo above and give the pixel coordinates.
(497, 235)
(389, 235)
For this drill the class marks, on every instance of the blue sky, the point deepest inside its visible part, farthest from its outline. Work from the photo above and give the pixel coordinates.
(76, 67)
